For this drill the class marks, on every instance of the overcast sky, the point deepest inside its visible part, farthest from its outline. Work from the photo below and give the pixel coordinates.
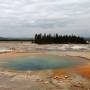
(24, 18)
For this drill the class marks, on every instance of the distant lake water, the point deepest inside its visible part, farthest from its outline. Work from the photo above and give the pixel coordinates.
(32, 63)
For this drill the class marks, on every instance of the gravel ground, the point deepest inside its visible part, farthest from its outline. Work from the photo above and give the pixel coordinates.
(71, 82)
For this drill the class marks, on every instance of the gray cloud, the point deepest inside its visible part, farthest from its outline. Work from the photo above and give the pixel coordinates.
(26, 17)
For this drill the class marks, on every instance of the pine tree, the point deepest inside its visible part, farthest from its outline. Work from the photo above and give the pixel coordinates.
(58, 39)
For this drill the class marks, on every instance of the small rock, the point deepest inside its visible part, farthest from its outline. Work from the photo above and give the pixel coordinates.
(66, 77)
(46, 82)
(56, 77)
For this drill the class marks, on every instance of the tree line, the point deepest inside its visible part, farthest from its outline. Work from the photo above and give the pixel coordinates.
(58, 39)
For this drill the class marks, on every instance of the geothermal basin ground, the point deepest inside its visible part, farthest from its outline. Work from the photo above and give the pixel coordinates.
(27, 66)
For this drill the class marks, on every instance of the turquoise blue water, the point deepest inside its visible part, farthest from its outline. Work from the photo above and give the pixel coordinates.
(40, 63)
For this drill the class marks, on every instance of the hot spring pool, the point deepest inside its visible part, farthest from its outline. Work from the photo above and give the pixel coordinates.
(40, 63)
